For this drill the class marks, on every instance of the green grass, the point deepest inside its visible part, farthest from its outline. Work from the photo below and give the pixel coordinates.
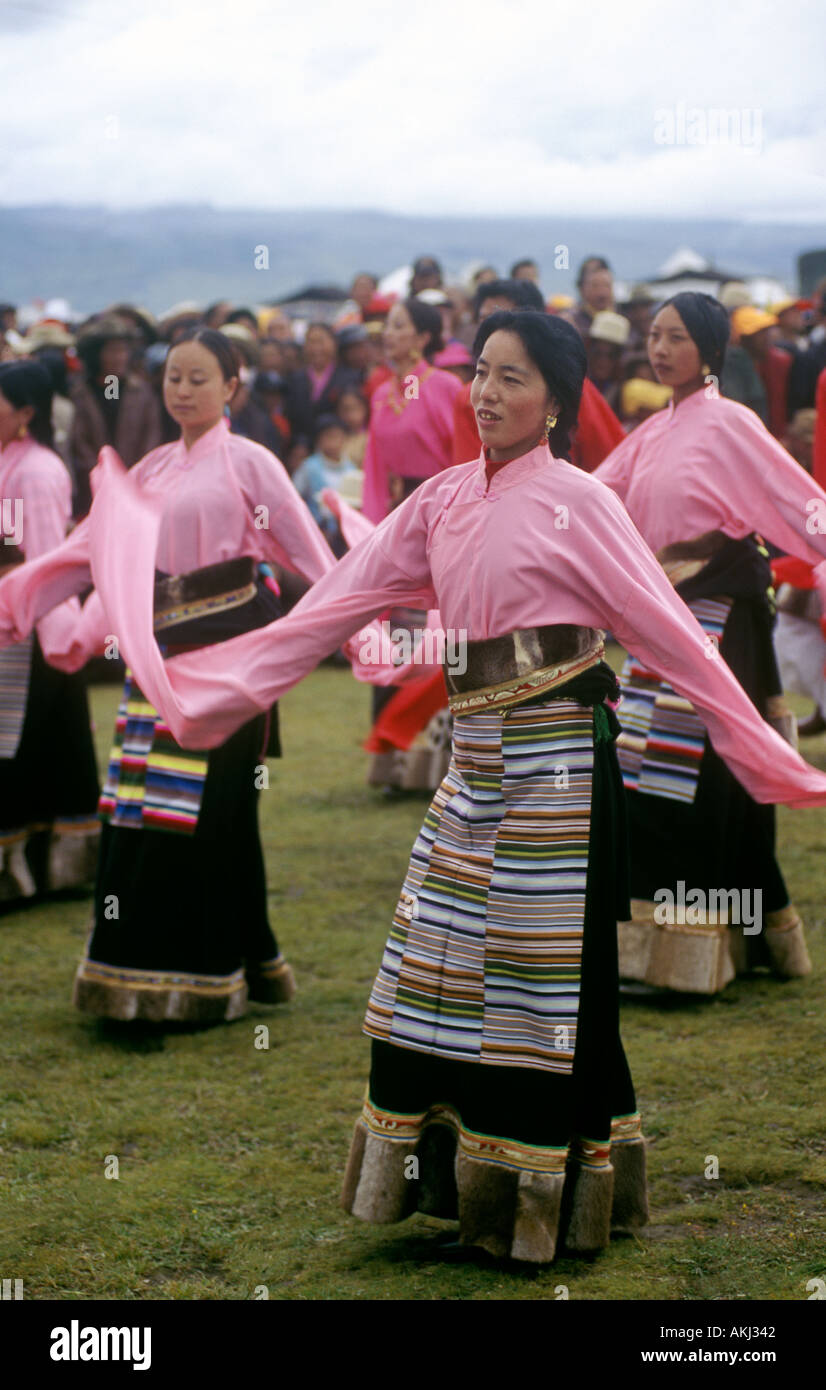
(230, 1157)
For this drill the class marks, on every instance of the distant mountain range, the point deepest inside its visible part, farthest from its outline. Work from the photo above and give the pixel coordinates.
(157, 256)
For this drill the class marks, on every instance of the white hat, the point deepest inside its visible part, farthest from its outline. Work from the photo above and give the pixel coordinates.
(610, 328)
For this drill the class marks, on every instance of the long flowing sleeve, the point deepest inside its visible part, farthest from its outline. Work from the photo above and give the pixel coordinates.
(374, 499)
(206, 698)
(30, 591)
(46, 495)
(615, 471)
(291, 536)
(768, 491)
(651, 621)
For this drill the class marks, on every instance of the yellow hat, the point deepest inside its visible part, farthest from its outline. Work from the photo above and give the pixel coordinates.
(749, 320)
(639, 394)
(557, 302)
(781, 305)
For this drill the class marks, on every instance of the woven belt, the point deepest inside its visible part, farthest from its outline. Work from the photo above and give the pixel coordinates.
(683, 560)
(506, 671)
(215, 588)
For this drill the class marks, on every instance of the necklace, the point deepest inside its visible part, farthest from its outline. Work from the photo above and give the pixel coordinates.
(399, 402)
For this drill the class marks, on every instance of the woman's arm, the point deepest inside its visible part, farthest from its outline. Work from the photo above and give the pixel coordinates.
(32, 590)
(282, 523)
(651, 621)
(767, 490)
(615, 470)
(206, 696)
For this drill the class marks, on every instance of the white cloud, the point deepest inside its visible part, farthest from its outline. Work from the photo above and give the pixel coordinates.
(441, 106)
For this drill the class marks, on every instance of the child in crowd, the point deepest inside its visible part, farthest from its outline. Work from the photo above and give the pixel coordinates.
(354, 413)
(327, 466)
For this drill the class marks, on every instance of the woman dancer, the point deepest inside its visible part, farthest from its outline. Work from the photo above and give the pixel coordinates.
(48, 779)
(494, 1016)
(180, 925)
(702, 480)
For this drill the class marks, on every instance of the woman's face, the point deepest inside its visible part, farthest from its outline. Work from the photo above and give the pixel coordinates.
(352, 412)
(402, 340)
(362, 290)
(672, 351)
(271, 356)
(115, 356)
(194, 389)
(11, 421)
(319, 349)
(510, 398)
(598, 289)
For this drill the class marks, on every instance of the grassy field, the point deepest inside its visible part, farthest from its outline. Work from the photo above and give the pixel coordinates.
(230, 1156)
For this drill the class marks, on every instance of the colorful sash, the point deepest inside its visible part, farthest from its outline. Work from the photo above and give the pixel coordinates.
(483, 959)
(152, 783)
(660, 749)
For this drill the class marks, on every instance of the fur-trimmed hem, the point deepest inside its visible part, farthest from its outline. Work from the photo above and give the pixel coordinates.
(575, 1200)
(273, 982)
(703, 959)
(73, 856)
(786, 944)
(126, 1002)
(691, 959)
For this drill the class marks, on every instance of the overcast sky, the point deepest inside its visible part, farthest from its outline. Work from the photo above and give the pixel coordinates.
(431, 106)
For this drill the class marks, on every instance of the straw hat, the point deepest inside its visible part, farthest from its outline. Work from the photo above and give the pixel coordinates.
(608, 327)
(45, 335)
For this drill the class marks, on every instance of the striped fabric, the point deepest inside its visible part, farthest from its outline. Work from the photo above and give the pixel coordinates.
(483, 958)
(660, 749)
(151, 782)
(15, 670)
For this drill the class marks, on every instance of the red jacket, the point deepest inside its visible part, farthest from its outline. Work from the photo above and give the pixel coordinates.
(774, 373)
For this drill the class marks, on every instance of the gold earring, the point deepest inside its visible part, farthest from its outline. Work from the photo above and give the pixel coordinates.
(550, 421)
(22, 432)
(705, 369)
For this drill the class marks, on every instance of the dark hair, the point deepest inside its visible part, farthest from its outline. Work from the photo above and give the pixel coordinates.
(222, 348)
(326, 422)
(706, 322)
(53, 361)
(235, 316)
(27, 383)
(325, 328)
(523, 294)
(588, 265)
(426, 319)
(556, 350)
(426, 265)
(520, 265)
(359, 395)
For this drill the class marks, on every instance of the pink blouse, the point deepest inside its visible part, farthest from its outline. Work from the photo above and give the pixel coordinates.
(541, 543)
(35, 510)
(411, 437)
(709, 464)
(223, 498)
